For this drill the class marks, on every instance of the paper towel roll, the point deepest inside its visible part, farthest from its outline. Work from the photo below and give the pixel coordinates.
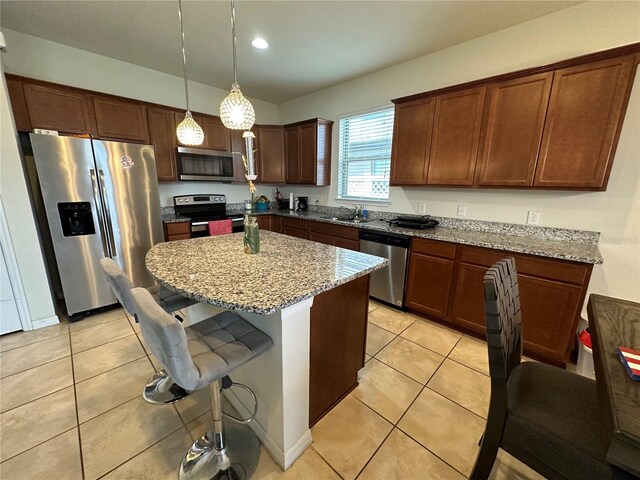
(291, 204)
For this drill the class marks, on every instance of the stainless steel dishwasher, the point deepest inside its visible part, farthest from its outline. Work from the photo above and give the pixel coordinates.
(387, 284)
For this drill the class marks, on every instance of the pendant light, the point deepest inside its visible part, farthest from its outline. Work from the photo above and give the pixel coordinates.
(188, 131)
(236, 112)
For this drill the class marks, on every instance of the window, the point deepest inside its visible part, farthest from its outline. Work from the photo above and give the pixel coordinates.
(365, 155)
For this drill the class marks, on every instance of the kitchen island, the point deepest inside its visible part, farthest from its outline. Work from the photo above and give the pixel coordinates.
(310, 298)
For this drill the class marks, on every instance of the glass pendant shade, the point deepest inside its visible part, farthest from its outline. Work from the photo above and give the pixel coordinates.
(189, 132)
(236, 112)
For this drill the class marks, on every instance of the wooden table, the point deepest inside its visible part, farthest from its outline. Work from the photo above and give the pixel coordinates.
(614, 323)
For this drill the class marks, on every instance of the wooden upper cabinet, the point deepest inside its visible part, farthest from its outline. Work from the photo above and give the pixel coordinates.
(162, 134)
(216, 135)
(512, 130)
(308, 152)
(18, 105)
(585, 115)
(122, 120)
(61, 109)
(270, 154)
(456, 137)
(412, 128)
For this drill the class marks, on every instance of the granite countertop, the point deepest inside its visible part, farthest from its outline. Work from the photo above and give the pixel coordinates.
(574, 245)
(174, 218)
(287, 270)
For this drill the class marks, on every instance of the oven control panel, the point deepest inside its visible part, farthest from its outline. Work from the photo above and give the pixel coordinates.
(199, 199)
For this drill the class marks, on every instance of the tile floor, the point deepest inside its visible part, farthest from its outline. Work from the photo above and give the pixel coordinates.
(71, 408)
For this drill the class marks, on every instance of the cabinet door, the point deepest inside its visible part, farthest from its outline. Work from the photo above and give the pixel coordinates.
(57, 109)
(585, 116)
(238, 147)
(468, 303)
(216, 135)
(412, 129)
(121, 120)
(270, 154)
(429, 284)
(320, 237)
(163, 138)
(264, 222)
(308, 153)
(276, 224)
(345, 243)
(456, 136)
(179, 117)
(18, 105)
(292, 154)
(513, 124)
(294, 227)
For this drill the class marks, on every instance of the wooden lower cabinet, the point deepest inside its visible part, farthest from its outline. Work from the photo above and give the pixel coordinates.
(264, 222)
(338, 338)
(294, 227)
(429, 284)
(177, 231)
(336, 235)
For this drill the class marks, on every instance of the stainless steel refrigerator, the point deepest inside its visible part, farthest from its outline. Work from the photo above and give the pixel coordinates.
(101, 200)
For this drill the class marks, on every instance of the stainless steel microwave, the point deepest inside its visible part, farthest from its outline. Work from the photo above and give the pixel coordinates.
(205, 165)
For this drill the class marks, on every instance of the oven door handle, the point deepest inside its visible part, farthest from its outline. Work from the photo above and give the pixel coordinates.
(197, 224)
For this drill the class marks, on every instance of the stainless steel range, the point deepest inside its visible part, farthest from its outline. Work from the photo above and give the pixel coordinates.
(202, 209)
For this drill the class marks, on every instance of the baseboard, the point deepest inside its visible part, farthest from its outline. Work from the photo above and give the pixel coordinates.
(45, 322)
(284, 459)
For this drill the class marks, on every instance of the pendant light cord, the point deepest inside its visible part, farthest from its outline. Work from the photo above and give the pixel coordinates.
(184, 55)
(233, 37)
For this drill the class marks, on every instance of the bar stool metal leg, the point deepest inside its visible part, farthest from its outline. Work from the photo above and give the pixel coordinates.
(228, 452)
(161, 389)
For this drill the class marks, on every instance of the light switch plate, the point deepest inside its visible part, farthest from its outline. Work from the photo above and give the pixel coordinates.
(533, 218)
(422, 208)
(462, 210)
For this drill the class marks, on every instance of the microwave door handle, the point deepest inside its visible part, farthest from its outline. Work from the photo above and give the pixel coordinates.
(98, 203)
(107, 213)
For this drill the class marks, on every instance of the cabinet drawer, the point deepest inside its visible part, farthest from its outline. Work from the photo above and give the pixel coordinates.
(539, 267)
(350, 233)
(178, 228)
(433, 247)
(297, 223)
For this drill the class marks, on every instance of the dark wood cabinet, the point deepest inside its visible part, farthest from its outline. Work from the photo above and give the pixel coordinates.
(18, 105)
(430, 277)
(512, 130)
(295, 227)
(216, 135)
(456, 137)
(61, 109)
(177, 231)
(264, 222)
(276, 224)
(412, 129)
(270, 154)
(162, 134)
(585, 116)
(121, 120)
(308, 152)
(336, 235)
(468, 303)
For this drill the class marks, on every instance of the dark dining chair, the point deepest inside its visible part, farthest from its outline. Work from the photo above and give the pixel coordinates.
(546, 417)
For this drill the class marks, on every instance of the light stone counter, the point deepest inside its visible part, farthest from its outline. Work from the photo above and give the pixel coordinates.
(287, 270)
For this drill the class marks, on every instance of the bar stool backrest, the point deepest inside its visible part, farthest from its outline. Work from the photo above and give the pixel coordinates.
(119, 283)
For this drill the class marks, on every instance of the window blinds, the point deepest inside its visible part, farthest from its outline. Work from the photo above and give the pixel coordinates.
(365, 155)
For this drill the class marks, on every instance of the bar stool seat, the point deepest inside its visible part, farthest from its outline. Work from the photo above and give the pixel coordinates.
(169, 300)
(199, 356)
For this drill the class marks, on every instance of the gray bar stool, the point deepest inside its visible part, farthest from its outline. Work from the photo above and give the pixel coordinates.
(160, 389)
(197, 356)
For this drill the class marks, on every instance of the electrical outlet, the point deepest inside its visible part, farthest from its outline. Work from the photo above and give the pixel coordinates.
(462, 210)
(422, 207)
(533, 218)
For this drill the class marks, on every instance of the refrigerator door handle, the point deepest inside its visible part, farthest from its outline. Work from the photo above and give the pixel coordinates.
(108, 214)
(98, 203)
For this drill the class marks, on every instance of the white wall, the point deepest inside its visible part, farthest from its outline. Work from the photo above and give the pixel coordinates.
(20, 220)
(575, 31)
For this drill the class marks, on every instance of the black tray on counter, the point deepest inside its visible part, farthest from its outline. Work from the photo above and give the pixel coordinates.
(417, 223)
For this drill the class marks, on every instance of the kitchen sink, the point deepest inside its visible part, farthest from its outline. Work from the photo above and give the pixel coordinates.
(347, 219)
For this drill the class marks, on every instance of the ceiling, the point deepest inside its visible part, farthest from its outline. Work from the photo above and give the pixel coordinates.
(313, 44)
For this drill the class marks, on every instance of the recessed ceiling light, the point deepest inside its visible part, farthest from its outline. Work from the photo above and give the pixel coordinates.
(260, 43)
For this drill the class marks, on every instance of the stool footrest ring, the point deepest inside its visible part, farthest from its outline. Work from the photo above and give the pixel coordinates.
(243, 421)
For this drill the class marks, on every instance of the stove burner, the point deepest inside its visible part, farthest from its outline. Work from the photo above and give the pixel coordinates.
(416, 223)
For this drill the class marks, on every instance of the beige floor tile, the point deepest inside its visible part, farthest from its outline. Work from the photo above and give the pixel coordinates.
(391, 319)
(386, 390)
(432, 336)
(20, 339)
(367, 357)
(373, 305)
(508, 468)
(34, 383)
(144, 344)
(194, 405)
(473, 353)
(203, 423)
(463, 385)
(154, 361)
(160, 462)
(98, 319)
(29, 425)
(377, 338)
(100, 334)
(122, 384)
(29, 356)
(347, 450)
(98, 360)
(411, 359)
(402, 458)
(120, 434)
(56, 458)
(309, 465)
(447, 429)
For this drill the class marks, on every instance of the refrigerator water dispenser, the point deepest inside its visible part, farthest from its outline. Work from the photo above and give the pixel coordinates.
(76, 219)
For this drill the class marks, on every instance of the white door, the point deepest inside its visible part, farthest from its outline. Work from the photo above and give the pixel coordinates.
(9, 318)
